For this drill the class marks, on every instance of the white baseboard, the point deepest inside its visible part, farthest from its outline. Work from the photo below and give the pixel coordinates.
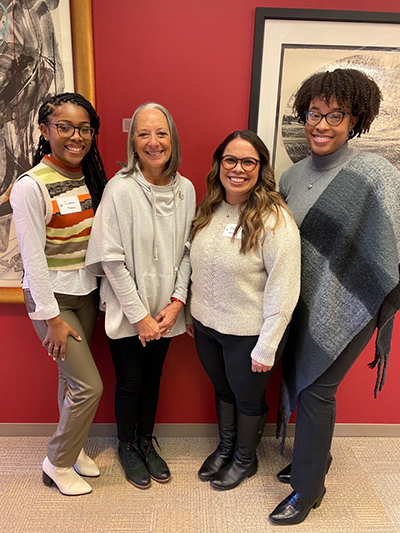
(197, 430)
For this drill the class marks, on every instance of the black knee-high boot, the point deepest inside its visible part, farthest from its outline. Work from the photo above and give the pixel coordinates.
(226, 415)
(244, 463)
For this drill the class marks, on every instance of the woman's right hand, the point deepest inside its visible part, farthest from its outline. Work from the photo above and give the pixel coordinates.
(57, 335)
(148, 329)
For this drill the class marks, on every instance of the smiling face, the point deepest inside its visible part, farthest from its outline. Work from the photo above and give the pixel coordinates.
(68, 152)
(152, 142)
(237, 182)
(322, 138)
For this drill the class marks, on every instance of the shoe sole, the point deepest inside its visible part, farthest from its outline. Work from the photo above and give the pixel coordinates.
(295, 522)
(286, 478)
(49, 482)
(236, 484)
(85, 475)
(160, 480)
(143, 487)
(208, 478)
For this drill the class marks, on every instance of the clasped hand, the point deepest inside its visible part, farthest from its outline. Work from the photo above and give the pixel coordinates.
(151, 329)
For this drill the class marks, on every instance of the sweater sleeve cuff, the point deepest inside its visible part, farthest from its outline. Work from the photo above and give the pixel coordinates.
(263, 355)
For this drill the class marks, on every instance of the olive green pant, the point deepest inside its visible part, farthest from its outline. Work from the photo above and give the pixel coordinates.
(79, 384)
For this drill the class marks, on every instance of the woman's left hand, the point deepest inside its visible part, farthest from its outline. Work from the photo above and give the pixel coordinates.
(258, 367)
(166, 318)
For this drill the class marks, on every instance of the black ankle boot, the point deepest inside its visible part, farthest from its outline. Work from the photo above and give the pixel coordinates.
(244, 463)
(155, 464)
(284, 475)
(134, 467)
(226, 415)
(294, 509)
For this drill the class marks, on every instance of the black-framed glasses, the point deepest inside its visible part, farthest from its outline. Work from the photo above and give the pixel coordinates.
(68, 130)
(313, 118)
(248, 164)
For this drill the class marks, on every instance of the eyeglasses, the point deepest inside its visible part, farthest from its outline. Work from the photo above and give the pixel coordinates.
(248, 164)
(333, 119)
(68, 130)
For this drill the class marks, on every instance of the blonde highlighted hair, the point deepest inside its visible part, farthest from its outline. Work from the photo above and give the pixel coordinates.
(262, 201)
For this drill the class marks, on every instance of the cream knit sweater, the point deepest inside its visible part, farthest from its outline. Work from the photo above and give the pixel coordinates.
(246, 294)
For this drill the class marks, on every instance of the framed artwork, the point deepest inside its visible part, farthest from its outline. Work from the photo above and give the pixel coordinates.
(292, 44)
(45, 48)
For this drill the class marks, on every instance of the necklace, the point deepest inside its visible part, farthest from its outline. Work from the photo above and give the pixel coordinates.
(312, 183)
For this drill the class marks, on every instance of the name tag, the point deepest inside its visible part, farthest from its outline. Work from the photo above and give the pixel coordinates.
(71, 204)
(230, 228)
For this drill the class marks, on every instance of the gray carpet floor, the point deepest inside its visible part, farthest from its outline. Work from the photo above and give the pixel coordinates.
(363, 491)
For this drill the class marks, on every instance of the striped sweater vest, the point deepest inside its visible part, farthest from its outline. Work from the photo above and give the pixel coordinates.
(69, 214)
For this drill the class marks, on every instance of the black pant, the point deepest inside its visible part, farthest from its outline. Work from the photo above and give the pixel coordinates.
(227, 361)
(315, 421)
(138, 371)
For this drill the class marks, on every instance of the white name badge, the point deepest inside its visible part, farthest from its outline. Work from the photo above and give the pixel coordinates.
(71, 204)
(230, 228)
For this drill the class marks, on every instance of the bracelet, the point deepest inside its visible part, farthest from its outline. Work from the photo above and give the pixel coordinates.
(177, 300)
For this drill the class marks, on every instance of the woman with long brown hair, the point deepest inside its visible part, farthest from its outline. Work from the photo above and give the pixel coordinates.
(245, 257)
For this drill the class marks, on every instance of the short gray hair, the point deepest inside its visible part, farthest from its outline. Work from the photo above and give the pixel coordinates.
(174, 161)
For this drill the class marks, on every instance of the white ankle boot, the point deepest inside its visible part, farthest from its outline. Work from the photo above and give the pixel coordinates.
(85, 466)
(67, 480)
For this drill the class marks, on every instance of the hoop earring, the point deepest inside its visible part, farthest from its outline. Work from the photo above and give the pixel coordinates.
(351, 133)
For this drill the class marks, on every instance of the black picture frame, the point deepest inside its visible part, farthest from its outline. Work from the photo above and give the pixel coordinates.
(265, 18)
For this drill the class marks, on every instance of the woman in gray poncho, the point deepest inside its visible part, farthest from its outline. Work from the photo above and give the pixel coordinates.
(346, 204)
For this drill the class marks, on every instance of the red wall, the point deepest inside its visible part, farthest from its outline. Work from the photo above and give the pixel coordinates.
(194, 58)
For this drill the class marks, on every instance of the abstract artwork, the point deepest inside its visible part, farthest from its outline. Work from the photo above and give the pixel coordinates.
(35, 60)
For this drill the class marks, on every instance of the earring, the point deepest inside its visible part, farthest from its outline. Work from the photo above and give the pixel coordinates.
(351, 133)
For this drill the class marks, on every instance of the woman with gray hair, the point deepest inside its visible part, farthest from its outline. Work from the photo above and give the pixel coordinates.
(138, 246)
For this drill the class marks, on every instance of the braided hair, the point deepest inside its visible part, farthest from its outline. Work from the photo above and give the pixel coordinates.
(353, 90)
(92, 164)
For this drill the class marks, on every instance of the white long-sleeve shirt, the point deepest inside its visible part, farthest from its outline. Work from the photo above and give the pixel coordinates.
(28, 207)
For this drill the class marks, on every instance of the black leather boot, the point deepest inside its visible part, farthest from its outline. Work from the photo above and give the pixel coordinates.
(294, 509)
(226, 415)
(244, 463)
(155, 464)
(134, 467)
(284, 475)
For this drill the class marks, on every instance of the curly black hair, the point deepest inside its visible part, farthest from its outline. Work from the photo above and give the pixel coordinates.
(352, 88)
(92, 164)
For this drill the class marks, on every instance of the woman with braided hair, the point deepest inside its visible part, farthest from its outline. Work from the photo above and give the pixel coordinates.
(346, 204)
(53, 208)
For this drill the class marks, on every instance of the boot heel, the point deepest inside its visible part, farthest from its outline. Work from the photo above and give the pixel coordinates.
(253, 471)
(47, 480)
(319, 501)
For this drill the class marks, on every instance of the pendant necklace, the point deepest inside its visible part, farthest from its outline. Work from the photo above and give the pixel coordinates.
(312, 183)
